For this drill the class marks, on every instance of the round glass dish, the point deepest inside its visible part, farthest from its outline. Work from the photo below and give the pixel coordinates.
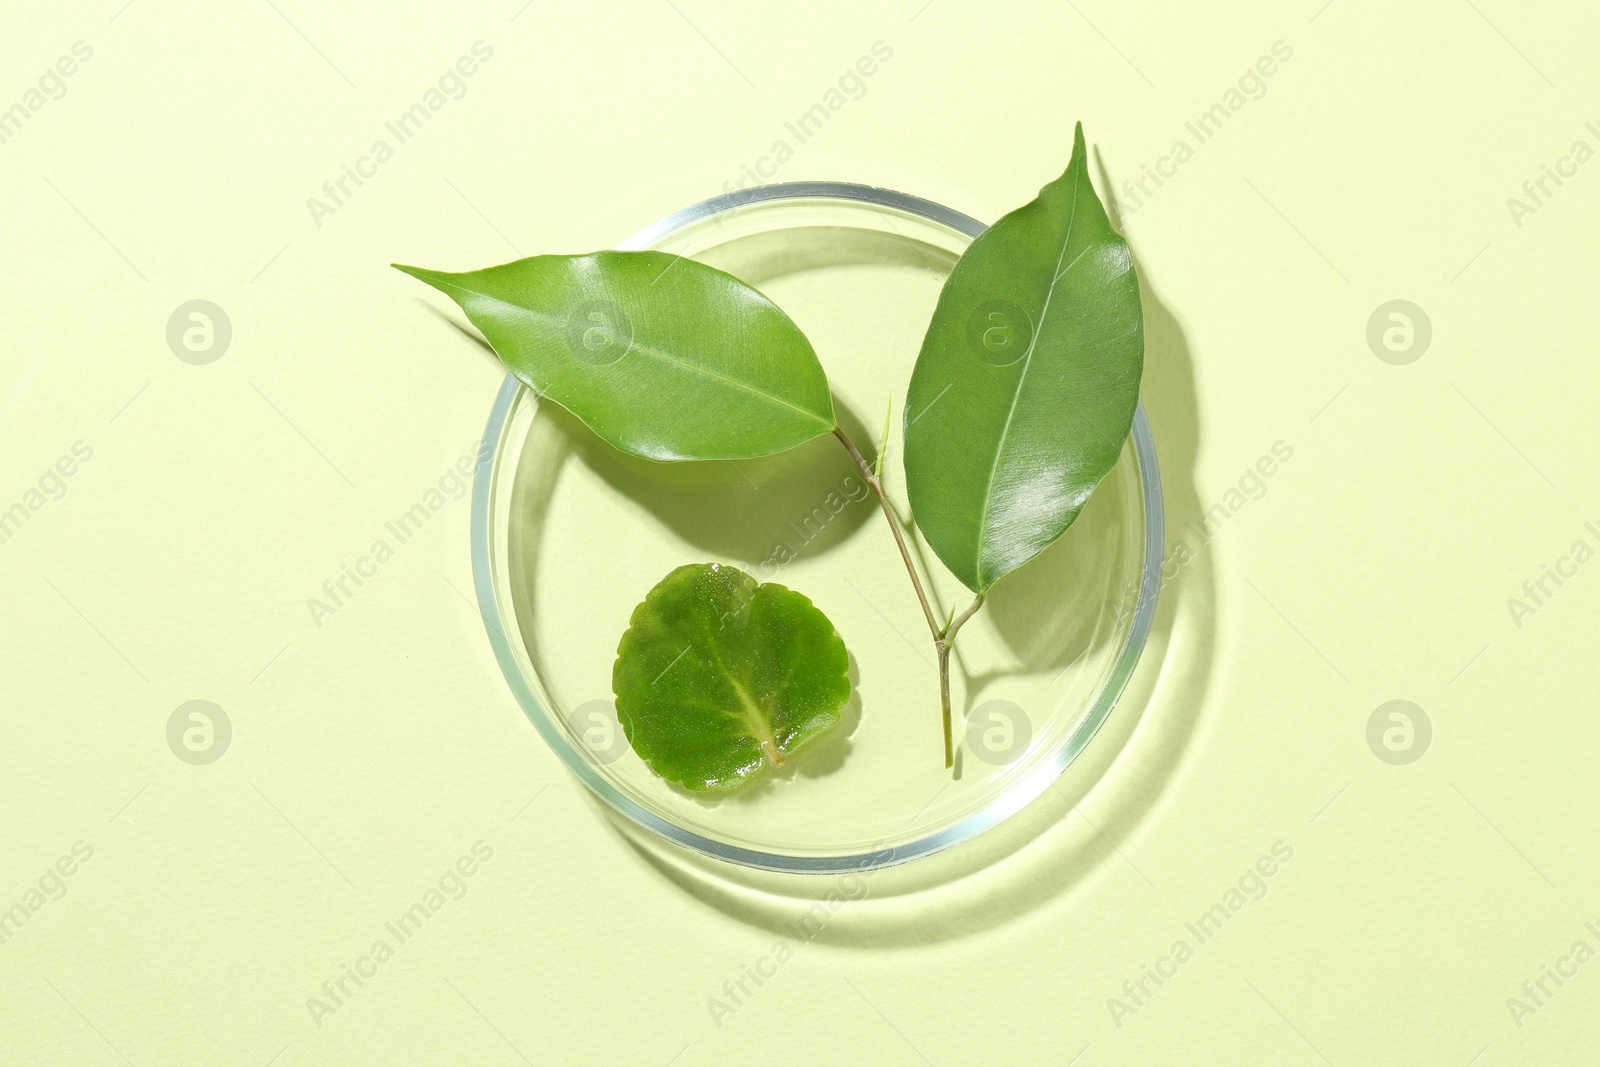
(568, 535)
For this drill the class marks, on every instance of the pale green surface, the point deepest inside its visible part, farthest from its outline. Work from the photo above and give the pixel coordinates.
(1369, 569)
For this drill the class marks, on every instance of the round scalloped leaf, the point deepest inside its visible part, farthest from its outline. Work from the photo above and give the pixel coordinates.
(719, 677)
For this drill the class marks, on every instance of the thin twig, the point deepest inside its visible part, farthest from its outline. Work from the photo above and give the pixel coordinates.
(944, 699)
(957, 622)
(943, 637)
(944, 643)
(894, 526)
(883, 441)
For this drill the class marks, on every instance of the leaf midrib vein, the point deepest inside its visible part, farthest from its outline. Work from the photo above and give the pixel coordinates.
(651, 351)
(1022, 379)
(757, 720)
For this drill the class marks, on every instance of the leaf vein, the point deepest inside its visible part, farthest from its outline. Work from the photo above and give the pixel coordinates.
(648, 350)
(1027, 364)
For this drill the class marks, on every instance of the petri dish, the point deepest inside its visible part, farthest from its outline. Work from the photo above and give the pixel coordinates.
(568, 535)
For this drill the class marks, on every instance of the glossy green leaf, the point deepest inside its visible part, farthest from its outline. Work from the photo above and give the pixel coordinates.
(1027, 381)
(662, 356)
(718, 678)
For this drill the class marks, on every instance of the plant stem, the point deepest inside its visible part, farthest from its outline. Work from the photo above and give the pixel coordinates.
(944, 643)
(957, 622)
(943, 638)
(894, 526)
(944, 698)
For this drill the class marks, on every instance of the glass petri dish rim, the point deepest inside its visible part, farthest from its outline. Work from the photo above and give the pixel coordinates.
(1014, 799)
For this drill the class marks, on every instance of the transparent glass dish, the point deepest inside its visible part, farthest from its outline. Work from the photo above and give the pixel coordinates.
(568, 535)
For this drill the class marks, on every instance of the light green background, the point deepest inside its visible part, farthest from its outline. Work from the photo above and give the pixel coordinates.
(372, 752)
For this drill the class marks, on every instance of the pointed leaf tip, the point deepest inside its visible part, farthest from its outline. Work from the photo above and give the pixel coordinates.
(663, 357)
(422, 274)
(1037, 348)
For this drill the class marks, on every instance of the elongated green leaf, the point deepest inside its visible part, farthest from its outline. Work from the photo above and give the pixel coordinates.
(662, 356)
(1026, 383)
(718, 677)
